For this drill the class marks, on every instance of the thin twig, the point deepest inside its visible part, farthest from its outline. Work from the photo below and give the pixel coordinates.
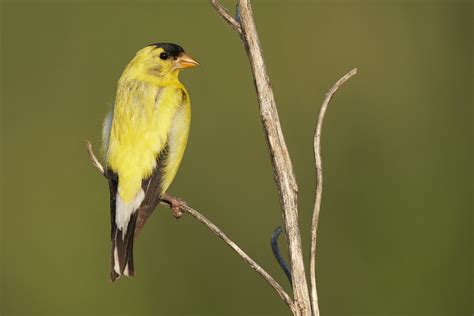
(319, 185)
(216, 230)
(254, 265)
(226, 16)
(93, 158)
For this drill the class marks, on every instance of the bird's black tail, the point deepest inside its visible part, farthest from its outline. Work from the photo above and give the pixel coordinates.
(122, 249)
(121, 258)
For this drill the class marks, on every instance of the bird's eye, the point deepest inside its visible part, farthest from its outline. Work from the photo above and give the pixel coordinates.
(164, 55)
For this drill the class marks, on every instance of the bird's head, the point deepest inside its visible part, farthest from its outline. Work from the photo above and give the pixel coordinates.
(162, 60)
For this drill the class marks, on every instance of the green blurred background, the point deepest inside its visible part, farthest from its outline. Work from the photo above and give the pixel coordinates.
(396, 224)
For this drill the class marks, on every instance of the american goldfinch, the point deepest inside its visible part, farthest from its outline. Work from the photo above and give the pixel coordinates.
(144, 138)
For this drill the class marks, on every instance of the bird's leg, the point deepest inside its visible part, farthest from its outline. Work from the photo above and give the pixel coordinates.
(175, 203)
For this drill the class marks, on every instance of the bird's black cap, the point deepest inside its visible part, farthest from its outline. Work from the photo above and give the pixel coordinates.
(172, 49)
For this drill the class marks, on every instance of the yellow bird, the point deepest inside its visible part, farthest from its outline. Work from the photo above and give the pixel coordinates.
(144, 138)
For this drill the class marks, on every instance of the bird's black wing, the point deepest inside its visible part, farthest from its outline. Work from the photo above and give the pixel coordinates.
(153, 191)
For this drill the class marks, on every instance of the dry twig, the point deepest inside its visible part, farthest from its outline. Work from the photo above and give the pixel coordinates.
(212, 227)
(93, 158)
(227, 17)
(319, 186)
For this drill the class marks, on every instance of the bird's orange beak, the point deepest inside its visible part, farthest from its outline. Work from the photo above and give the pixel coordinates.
(185, 61)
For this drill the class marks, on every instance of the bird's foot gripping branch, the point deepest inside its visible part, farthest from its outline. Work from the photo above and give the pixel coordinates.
(175, 203)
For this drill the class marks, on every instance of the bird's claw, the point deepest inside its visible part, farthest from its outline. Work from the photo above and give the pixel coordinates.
(176, 204)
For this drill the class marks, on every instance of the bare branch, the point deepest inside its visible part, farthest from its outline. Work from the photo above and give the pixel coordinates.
(226, 16)
(319, 185)
(281, 163)
(93, 158)
(216, 230)
(254, 265)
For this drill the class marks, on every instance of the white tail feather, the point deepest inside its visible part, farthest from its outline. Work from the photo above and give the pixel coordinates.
(123, 210)
(116, 261)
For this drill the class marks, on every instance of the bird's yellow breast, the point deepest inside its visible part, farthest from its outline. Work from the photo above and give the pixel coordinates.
(144, 115)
